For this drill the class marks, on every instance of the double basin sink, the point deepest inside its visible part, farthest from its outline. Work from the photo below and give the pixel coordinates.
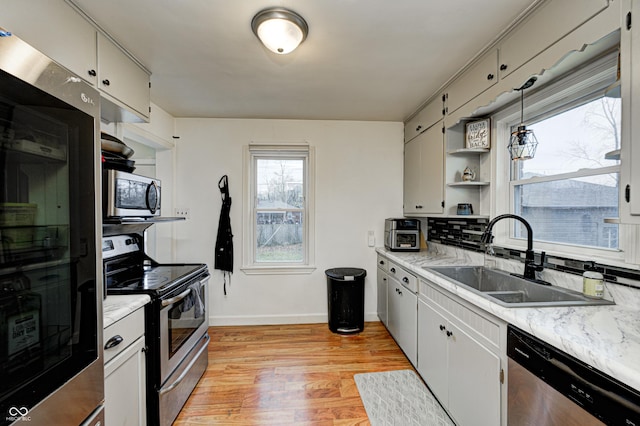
(510, 290)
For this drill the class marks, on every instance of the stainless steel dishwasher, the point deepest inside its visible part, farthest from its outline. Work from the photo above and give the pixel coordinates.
(550, 387)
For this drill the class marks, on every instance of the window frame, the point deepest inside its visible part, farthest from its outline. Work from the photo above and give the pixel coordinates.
(252, 153)
(580, 86)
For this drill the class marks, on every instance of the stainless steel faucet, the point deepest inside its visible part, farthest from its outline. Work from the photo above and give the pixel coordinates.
(530, 267)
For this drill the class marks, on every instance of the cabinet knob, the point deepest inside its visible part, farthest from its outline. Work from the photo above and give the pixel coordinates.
(405, 280)
(382, 262)
(106, 82)
(92, 73)
(449, 333)
(393, 270)
(490, 77)
(418, 206)
(503, 67)
(442, 327)
(418, 128)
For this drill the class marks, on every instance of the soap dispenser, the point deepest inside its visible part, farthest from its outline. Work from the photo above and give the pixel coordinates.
(592, 282)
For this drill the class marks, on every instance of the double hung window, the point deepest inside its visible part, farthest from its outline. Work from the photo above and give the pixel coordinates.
(279, 208)
(569, 190)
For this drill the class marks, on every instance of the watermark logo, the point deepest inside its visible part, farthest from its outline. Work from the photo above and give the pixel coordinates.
(18, 413)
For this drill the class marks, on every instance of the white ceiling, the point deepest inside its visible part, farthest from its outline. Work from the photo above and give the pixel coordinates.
(362, 60)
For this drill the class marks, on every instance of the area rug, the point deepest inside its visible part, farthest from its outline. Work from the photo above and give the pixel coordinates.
(399, 398)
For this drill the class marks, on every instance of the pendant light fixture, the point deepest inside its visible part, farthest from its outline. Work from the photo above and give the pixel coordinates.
(280, 30)
(523, 142)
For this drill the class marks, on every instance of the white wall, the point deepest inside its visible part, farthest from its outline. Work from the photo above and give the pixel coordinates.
(358, 185)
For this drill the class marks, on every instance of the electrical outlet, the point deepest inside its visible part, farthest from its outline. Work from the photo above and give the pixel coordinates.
(183, 212)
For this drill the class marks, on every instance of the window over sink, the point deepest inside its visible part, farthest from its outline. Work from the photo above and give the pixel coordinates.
(569, 191)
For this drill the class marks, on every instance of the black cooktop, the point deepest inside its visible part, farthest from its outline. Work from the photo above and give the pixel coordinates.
(153, 280)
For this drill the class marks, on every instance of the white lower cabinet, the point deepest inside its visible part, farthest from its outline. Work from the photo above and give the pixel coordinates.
(382, 280)
(459, 358)
(124, 371)
(402, 310)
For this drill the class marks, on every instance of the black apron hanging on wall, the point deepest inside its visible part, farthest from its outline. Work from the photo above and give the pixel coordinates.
(224, 241)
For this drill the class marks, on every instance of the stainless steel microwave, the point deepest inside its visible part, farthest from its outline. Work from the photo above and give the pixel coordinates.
(129, 195)
(402, 234)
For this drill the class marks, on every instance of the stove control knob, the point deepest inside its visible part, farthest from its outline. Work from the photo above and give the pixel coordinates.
(129, 241)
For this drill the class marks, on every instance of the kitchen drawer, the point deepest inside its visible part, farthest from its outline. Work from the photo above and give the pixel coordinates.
(129, 328)
(403, 276)
(383, 263)
(484, 329)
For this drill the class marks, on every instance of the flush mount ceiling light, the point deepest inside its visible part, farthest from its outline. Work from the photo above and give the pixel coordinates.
(280, 30)
(523, 142)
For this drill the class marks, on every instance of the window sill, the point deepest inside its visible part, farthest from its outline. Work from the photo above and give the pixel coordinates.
(277, 270)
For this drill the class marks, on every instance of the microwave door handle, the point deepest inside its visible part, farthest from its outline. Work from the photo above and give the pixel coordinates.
(153, 186)
(177, 298)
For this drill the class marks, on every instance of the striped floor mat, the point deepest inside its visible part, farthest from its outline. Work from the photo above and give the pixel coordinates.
(399, 398)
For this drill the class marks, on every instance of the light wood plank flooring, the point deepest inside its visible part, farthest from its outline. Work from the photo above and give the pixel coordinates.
(288, 375)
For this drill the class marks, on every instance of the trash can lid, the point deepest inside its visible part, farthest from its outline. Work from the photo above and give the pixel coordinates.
(345, 274)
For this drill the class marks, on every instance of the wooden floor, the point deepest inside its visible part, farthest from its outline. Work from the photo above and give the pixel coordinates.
(288, 374)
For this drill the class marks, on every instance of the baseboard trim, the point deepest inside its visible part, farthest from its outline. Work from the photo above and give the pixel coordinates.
(277, 319)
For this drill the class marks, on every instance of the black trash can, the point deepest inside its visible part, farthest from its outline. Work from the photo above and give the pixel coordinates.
(345, 295)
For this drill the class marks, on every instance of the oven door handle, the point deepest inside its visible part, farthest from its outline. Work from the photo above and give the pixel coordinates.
(177, 298)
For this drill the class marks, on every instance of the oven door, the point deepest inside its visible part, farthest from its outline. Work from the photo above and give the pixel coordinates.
(183, 322)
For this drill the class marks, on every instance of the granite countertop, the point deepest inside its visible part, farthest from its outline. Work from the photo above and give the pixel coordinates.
(605, 337)
(115, 308)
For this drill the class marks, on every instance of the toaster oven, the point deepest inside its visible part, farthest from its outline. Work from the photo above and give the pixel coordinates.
(402, 234)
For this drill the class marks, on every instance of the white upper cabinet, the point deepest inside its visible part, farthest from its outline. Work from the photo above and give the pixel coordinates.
(427, 117)
(67, 37)
(549, 23)
(630, 87)
(56, 30)
(424, 173)
(121, 78)
(478, 78)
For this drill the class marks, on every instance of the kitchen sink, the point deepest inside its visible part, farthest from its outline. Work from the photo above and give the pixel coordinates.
(511, 290)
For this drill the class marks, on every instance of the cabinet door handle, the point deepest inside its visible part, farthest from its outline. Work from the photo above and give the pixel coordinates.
(392, 270)
(113, 342)
(490, 77)
(503, 67)
(382, 262)
(405, 280)
(442, 327)
(418, 128)
(627, 193)
(449, 333)
(106, 82)
(92, 73)
(418, 206)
